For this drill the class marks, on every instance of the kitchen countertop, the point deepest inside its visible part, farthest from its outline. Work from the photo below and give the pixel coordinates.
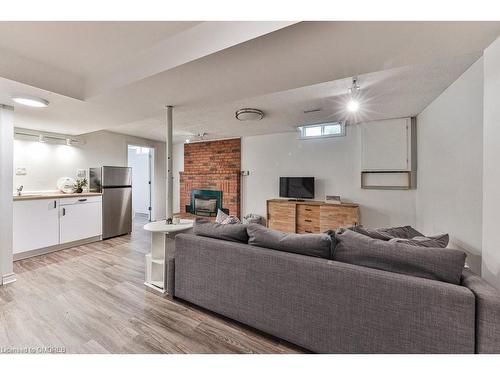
(31, 196)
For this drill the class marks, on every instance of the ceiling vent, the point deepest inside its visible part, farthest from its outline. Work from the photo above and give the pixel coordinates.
(306, 111)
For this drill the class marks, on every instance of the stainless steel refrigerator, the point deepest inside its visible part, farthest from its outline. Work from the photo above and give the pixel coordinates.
(115, 184)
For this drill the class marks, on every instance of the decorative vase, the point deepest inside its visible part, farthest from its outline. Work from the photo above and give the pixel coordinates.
(79, 190)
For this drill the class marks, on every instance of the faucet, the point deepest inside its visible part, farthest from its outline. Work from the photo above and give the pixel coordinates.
(19, 190)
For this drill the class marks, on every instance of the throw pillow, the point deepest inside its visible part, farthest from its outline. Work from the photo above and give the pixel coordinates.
(231, 219)
(316, 245)
(401, 232)
(439, 241)
(372, 233)
(386, 234)
(235, 233)
(221, 216)
(443, 265)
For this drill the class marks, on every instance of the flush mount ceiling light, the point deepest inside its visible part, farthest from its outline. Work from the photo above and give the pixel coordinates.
(30, 101)
(249, 114)
(353, 103)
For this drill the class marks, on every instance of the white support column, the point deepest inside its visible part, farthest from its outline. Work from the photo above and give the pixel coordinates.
(170, 175)
(6, 178)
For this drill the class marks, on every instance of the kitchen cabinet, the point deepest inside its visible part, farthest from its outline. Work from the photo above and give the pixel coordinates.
(389, 154)
(35, 224)
(42, 225)
(80, 218)
(386, 145)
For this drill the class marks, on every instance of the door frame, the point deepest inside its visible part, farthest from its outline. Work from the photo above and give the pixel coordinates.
(151, 164)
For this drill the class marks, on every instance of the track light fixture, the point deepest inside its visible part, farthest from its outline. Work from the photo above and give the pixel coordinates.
(353, 103)
(196, 137)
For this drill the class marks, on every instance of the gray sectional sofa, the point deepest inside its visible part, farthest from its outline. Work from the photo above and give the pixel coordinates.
(328, 306)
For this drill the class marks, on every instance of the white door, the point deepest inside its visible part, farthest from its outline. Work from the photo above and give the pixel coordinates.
(386, 145)
(141, 160)
(80, 221)
(36, 224)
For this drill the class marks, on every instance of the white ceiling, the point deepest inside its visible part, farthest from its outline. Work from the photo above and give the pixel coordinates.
(84, 48)
(280, 68)
(392, 93)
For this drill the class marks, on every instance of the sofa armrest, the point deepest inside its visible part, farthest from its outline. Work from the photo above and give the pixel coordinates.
(487, 313)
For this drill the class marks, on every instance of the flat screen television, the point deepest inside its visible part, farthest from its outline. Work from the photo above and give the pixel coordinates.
(297, 187)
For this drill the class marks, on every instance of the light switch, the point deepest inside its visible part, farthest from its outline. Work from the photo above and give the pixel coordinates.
(81, 173)
(21, 172)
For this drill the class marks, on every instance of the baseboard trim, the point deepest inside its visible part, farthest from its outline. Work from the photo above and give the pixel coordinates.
(51, 249)
(9, 278)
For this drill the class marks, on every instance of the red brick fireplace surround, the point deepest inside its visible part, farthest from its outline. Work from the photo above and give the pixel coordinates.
(212, 165)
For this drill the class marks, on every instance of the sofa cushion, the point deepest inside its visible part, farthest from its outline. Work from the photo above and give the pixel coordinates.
(316, 245)
(438, 241)
(430, 263)
(227, 232)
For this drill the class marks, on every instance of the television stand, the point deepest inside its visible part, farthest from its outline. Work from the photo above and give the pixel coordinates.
(310, 216)
(296, 200)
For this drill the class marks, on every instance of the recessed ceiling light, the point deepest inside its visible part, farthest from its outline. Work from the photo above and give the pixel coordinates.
(30, 101)
(249, 114)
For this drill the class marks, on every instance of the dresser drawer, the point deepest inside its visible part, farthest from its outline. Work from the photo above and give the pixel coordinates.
(308, 218)
(308, 215)
(302, 229)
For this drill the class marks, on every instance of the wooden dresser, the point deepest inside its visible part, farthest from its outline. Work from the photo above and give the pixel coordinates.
(310, 216)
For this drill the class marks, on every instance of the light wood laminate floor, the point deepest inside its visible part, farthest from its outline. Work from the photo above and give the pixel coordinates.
(91, 299)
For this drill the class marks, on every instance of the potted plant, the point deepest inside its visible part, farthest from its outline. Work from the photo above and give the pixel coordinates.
(80, 184)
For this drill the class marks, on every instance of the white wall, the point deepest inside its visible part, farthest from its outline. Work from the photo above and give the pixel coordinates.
(450, 164)
(46, 162)
(491, 169)
(6, 151)
(138, 160)
(336, 165)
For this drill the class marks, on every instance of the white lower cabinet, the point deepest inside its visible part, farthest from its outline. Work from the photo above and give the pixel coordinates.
(49, 223)
(36, 224)
(80, 219)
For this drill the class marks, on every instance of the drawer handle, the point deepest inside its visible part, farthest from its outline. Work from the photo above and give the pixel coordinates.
(308, 209)
(307, 231)
(55, 204)
(82, 200)
(308, 221)
(64, 212)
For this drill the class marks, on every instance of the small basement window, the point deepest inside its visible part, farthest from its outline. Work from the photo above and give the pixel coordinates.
(328, 129)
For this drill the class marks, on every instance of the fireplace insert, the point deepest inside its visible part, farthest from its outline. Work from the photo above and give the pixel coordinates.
(206, 203)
